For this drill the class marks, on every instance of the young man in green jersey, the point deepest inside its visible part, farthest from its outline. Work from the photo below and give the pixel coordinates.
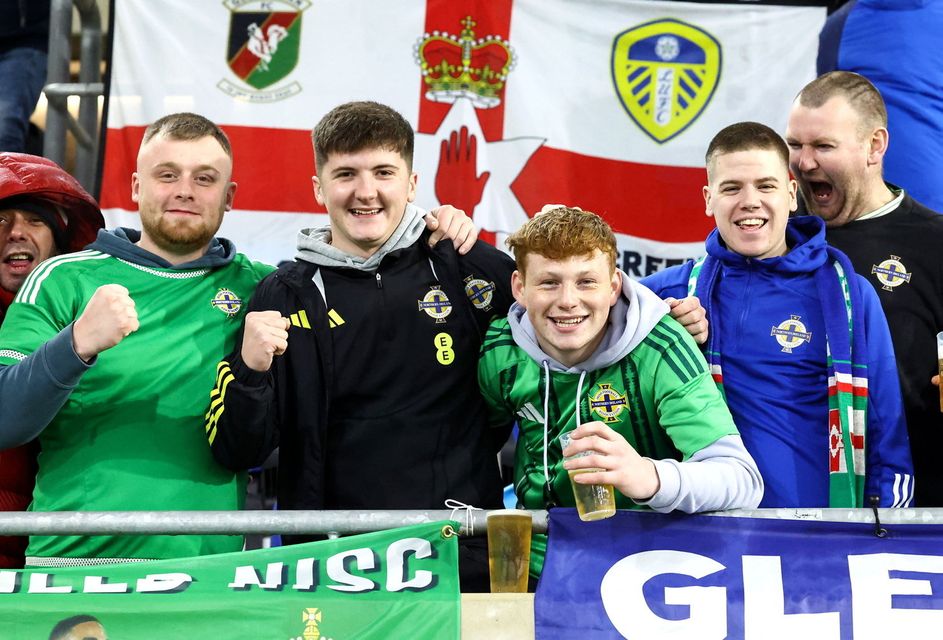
(108, 354)
(587, 350)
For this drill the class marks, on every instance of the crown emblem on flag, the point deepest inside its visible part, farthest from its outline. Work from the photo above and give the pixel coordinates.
(464, 66)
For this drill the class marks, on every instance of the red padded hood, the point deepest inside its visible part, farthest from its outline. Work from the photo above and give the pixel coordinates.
(22, 174)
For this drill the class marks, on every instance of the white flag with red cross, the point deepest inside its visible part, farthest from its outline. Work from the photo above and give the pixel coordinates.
(608, 106)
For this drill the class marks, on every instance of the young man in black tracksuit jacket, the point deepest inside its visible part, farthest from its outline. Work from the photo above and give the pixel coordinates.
(372, 400)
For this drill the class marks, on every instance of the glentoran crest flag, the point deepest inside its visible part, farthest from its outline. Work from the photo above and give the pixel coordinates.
(400, 583)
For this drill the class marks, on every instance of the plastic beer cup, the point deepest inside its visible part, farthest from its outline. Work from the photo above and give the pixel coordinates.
(509, 550)
(593, 501)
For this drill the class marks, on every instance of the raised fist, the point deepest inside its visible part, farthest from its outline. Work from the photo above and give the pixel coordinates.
(265, 336)
(108, 318)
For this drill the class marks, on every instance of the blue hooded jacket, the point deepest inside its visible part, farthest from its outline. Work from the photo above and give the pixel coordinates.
(777, 389)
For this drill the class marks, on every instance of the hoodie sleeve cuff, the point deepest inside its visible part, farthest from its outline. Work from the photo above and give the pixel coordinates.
(669, 475)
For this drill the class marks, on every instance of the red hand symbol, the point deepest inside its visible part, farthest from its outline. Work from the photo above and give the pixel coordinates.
(457, 182)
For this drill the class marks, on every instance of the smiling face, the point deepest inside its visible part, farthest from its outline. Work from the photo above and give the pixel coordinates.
(25, 241)
(750, 196)
(836, 159)
(365, 193)
(568, 302)
(182, 188)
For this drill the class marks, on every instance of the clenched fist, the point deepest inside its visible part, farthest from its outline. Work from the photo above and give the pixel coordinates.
(265, 336)
(108, 318)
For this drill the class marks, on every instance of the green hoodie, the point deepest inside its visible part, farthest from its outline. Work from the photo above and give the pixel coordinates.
(647, 380)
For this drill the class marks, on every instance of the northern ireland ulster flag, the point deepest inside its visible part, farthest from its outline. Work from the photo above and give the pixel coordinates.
(517, 103)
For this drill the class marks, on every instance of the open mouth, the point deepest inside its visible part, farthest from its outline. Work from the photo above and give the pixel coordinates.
(751, 224)
(364, 212)
(821, 191)
(567, 322)
(19, 262)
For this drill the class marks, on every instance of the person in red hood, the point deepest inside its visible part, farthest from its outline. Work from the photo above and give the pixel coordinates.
(43, 212)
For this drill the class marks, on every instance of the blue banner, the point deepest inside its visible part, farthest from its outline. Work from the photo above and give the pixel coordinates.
(644, 575)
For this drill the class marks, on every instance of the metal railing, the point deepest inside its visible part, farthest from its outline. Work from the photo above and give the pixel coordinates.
(343, 522)
(339, 522)
(88, 89)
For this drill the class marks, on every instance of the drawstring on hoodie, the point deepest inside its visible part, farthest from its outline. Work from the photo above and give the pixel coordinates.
(579, 393)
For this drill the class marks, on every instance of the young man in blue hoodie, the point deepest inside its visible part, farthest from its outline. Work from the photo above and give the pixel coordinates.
(587, 350)
(798, 341)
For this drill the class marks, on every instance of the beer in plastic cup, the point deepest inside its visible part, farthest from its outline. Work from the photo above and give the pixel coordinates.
(939, 358)
(593, 501)
(509, 550)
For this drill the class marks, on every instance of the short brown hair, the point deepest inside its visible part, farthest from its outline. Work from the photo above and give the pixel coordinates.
(562, 233)
(745, 136)
(355, 126)
(187, 126)
(863, 97)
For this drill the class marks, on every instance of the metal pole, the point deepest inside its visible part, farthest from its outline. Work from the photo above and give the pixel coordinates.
(60, 30)
(350, 522)
(90, 57)
(237, 522)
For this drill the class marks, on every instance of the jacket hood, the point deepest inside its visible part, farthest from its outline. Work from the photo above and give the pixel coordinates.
(24, 175)
(120, 243)
(314, 245)
(805, 237)
(631, 319)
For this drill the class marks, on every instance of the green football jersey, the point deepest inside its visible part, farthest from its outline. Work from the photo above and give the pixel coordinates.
(130, 436)
(660, 398)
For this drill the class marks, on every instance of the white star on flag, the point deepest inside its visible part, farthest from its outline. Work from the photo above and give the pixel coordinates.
(499, 209)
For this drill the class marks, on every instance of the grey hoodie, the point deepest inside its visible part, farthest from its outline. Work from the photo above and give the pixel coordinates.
(314, 245)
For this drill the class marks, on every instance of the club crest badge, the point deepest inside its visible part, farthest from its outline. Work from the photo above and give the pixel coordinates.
(227, 302)
(791, 333)
(311, 618)
(891, 273)
(665, 73)
(464, 66)
(436, 304)
(479, 292)
(607, 403)
(263, 46)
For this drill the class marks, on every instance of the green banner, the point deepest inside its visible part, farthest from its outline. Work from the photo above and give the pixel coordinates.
(400, 583)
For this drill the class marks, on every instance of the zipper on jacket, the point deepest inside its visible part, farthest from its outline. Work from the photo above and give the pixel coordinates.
(379, 281)
(745, 301)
